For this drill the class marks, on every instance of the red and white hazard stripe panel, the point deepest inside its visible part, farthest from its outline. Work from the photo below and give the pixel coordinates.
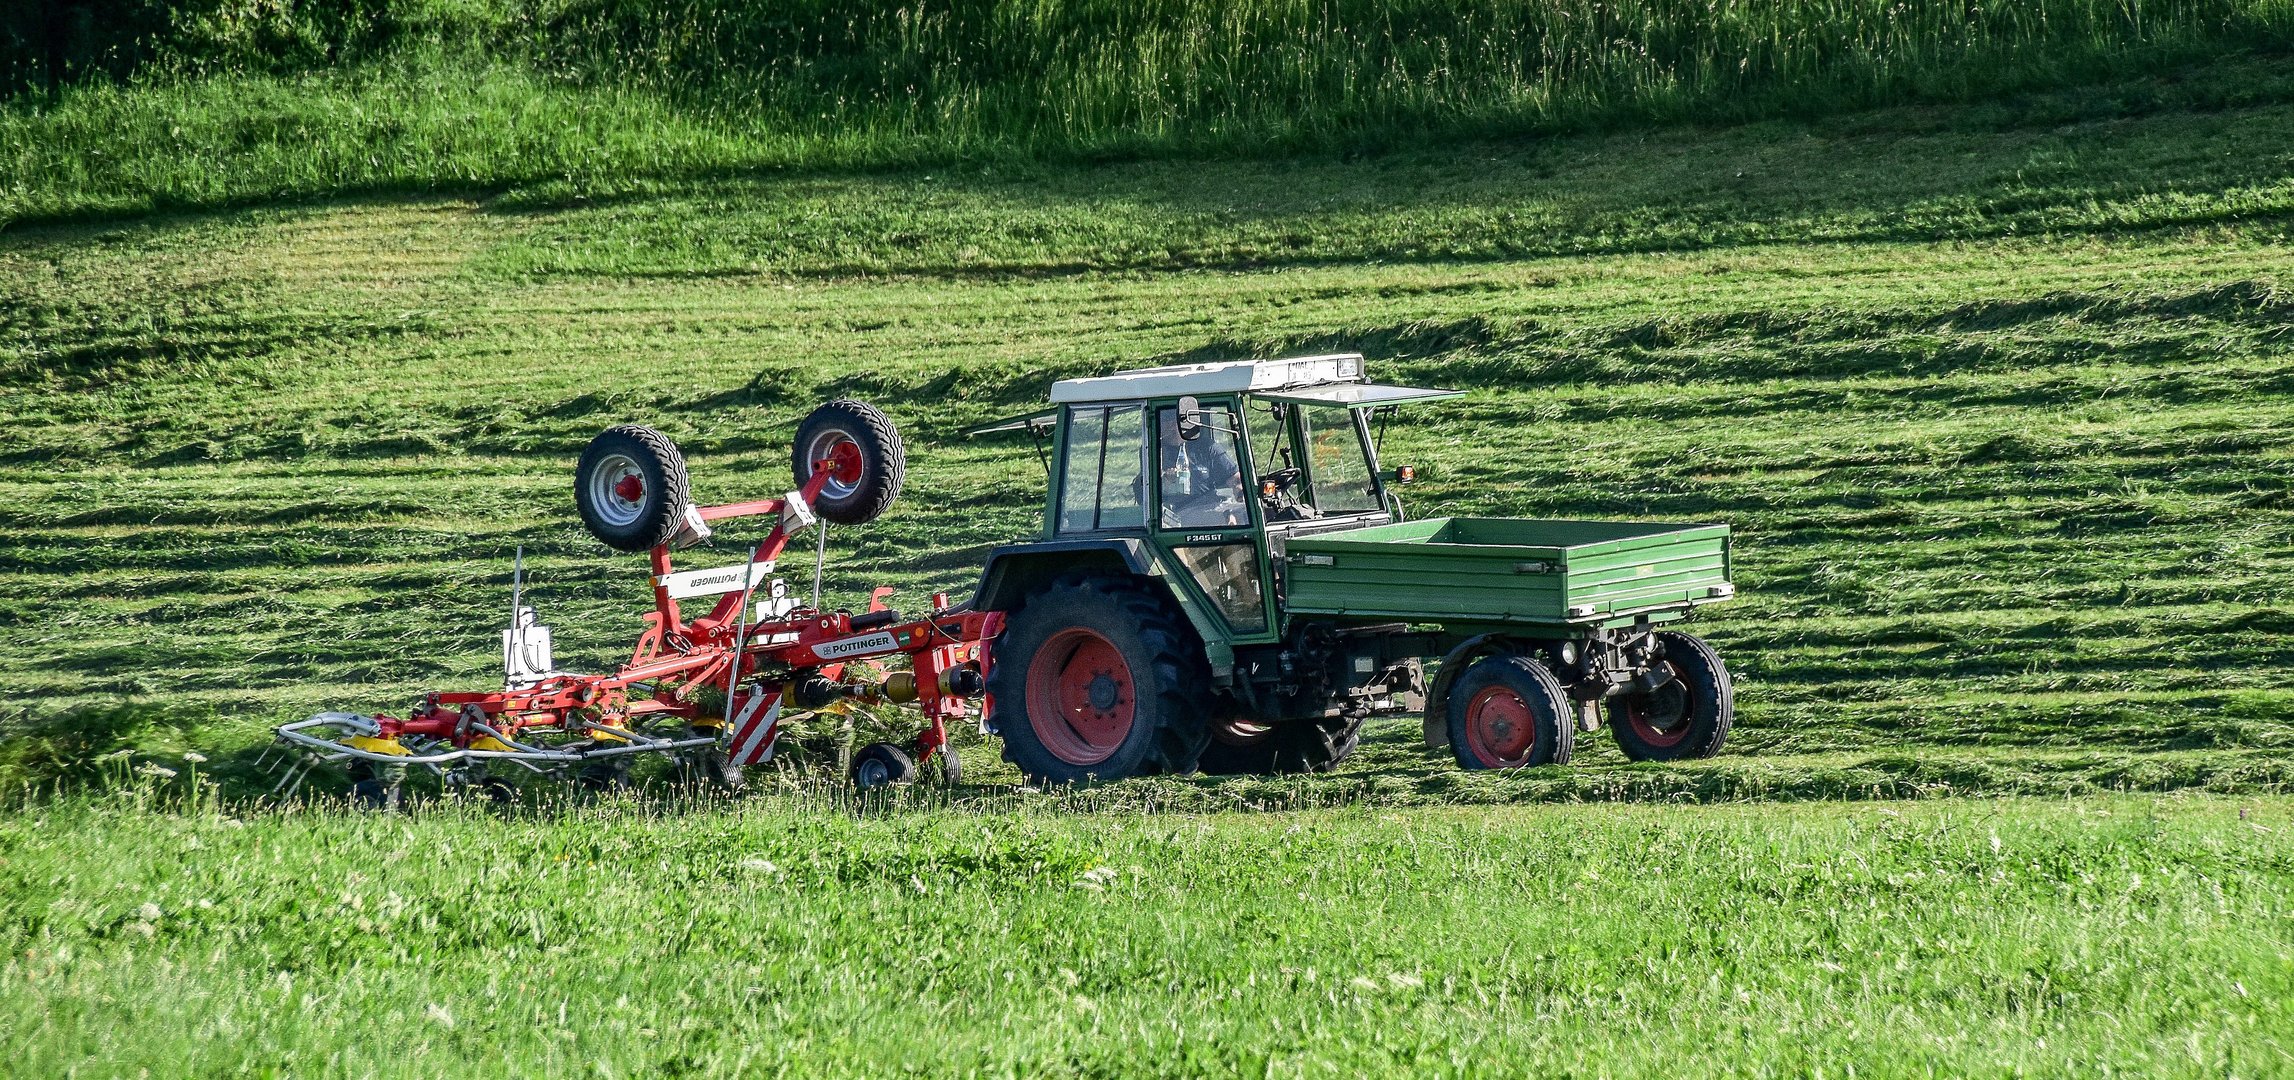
(755, 726)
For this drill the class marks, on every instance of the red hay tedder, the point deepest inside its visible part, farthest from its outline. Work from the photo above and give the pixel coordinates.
(709, 692)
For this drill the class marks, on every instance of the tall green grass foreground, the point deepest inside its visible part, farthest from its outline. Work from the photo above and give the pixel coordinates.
(232, 100)
(2097, 937)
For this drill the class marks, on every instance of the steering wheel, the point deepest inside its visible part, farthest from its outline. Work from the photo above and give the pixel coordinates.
(1282, 503)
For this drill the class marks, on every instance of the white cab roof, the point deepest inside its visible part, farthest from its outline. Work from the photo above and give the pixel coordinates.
(1220, 377)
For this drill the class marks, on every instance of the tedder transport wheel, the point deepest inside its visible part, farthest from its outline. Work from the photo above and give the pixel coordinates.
(882, 765)
(1099, 678)
(1507, 712)
(869, 462)
(632, 488)
(1688, 717)
(1288, 746)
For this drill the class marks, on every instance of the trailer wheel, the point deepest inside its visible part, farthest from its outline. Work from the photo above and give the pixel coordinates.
(1508, 712)
(632, 488)
(1314, 745)
(1099, 678)
(867, 462)
(1688, 717)
(882, 765)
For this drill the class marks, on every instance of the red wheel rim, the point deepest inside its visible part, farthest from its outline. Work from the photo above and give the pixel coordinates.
(1500, 728)
(1081, 697)
(834, 453)
(1661, 716)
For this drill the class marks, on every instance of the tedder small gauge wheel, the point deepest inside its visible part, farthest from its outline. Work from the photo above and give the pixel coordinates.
(882, 765)
(1315, 745)
(1507, 712)
(1686, 717)
(604, 775)
(951, 766)
(863, 453)
(710, 767)
(1099, 678)
(632, 488)
(373, 789)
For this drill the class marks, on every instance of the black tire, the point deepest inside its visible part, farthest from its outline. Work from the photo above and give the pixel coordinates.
(1509, 712)
(1149, 717)
(870, 480)
(631, 487)
(951, 766)
(708, 767)
(604, 775)
(1316, 745)
(375, 793)
(1686, 718)
(882, 765)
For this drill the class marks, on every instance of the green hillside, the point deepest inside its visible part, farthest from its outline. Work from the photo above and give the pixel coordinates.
(123, 105)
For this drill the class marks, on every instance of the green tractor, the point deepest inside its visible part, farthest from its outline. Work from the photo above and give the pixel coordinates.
(1226, 582)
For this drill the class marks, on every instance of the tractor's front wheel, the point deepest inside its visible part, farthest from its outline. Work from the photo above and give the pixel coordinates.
(1688, 716)
(1241, 747)
(1099, 678)
(1507, 712)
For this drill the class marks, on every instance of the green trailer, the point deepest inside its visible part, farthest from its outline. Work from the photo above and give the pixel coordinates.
(1508, 572)
(1226, 582)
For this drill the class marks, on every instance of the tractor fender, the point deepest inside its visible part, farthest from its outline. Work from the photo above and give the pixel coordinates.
(1454, 664)
(1014, 571)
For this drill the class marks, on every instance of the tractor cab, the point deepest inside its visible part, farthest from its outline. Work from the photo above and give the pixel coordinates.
(1207, 469)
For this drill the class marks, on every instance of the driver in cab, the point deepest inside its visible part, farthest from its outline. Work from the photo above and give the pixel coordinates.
(1202, 481)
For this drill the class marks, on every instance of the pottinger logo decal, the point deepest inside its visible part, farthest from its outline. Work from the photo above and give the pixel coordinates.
(856, 646)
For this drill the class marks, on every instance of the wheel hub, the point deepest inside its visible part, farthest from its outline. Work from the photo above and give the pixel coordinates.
(617, 490)
(842, 460)
(1102, 693)
(1660, 717)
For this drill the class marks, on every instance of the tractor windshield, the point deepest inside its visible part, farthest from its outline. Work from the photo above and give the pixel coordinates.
(1338, 461)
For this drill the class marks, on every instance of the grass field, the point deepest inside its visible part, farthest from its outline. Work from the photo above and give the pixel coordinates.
(2096, 936)
(1999, 398)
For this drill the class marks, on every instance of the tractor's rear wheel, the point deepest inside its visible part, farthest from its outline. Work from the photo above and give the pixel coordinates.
(862, 452)
(1316, 745)
(631, 488)
(1687, 717)
(1099, 678)
(1508, 712)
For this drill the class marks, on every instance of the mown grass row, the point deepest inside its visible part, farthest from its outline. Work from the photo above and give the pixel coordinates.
(2097, 935)
(242, 102)
(2012, 512)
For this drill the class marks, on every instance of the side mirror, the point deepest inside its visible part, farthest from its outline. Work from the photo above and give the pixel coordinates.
(1190, 419)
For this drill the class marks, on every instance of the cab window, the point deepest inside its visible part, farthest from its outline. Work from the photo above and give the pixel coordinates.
(1103, 469)
(1200, 481)
(1338, 461)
